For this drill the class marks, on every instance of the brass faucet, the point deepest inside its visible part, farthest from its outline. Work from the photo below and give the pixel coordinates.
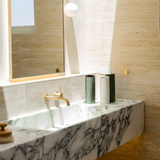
(57, 96)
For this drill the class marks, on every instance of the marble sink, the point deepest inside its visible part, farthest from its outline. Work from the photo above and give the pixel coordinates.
(80, 131)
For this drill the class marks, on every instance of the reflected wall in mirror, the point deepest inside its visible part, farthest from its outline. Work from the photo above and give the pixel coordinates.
(37, 37)
(159, 14)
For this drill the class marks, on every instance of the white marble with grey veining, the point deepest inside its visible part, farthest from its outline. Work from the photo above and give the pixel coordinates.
(85, 132)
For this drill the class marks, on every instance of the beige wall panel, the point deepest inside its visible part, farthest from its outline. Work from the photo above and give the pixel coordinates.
(135, 47)
(19, 100)
(99, 33)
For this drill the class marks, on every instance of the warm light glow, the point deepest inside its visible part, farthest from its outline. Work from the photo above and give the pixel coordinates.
(70, 9)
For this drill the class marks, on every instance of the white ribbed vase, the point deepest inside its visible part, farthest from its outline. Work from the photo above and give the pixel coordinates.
(104, 90)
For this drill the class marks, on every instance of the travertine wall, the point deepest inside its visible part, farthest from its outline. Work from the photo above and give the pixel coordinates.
(27, 98)
(100, 15)
(42, 52)
(135, 47)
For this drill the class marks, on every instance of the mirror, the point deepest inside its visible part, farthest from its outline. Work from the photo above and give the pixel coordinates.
(37, 38)
(159, 13)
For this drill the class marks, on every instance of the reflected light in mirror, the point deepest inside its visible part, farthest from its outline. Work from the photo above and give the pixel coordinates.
(22, 12)
(36, 39)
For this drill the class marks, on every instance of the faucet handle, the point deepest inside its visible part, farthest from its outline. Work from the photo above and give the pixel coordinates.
(58, 94)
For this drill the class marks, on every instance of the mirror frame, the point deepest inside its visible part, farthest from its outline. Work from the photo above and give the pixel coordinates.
(15, 80)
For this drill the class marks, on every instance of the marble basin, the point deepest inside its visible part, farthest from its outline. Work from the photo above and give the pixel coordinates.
(65, 116)
(77, 132)
(81, 112)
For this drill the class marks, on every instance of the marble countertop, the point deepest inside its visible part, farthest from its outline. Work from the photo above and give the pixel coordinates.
(22, 135)
(125, 117)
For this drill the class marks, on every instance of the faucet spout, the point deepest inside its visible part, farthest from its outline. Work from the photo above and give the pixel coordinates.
(47, 97)
(67, 101)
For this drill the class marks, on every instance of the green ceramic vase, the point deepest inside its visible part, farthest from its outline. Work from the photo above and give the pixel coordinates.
(90, 89)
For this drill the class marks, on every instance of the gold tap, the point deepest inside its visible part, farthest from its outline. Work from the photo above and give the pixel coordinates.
(57, 96)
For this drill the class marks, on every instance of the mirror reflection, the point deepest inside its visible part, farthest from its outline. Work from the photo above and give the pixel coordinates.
(37, 37)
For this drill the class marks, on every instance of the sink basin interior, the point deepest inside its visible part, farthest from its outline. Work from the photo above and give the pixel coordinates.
(60, 117)
(65, 116)
(44, 120)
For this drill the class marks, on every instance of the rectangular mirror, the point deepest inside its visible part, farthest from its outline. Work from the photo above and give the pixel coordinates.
(37, 38)
(159, 14)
